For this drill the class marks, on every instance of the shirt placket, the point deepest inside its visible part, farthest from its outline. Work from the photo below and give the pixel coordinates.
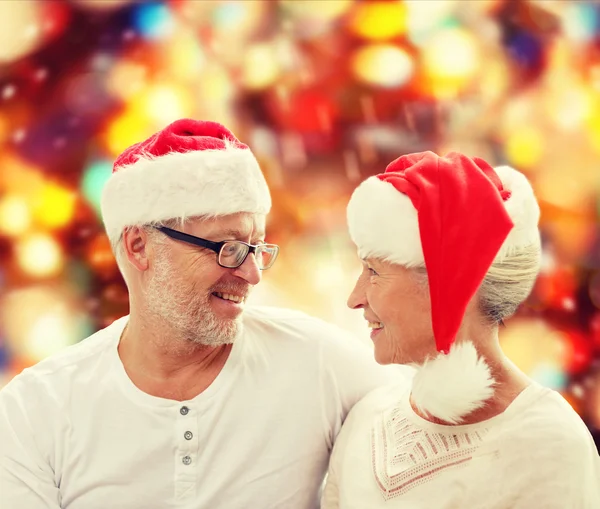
(186, 456)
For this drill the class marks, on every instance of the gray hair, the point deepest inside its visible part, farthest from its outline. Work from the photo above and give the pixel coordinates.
(117, 245)
(509, 282)
(506, 285)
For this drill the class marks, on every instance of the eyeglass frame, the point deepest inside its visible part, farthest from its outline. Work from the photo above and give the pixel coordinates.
(215, 246)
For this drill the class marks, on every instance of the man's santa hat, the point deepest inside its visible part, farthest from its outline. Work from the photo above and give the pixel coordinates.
(190, 168)
(455, 216)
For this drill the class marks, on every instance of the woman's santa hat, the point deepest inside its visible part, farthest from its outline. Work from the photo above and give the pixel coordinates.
(190, 168)
(456, 216)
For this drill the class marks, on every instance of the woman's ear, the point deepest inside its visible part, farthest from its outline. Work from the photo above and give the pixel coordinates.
(135, 241)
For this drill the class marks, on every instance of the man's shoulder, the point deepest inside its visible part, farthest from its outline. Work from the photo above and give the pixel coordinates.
(335, 348)
(372, 406)
(292, 324)
(64, 365)
(272, 314)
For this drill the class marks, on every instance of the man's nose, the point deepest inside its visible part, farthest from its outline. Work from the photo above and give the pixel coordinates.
(249, 270)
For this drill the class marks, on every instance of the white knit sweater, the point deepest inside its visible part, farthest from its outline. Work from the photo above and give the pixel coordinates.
(536, 454)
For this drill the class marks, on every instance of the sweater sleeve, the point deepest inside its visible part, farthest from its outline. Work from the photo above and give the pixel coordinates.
(26, 476)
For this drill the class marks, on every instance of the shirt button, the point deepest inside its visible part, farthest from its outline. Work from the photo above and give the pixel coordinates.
(186, 460)
(188, 435)
(184, 410)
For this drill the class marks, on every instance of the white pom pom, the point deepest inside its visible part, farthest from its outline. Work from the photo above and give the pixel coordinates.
(452, 386)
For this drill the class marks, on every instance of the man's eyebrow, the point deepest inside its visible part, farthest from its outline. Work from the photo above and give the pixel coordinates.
(233, 233)
(238, 234)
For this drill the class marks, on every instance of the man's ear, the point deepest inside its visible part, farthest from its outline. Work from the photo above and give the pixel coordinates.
(135, 240)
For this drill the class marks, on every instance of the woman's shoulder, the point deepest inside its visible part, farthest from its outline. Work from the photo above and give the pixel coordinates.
(377, 401)
(356, 430)
(546, 453)
(544, 417)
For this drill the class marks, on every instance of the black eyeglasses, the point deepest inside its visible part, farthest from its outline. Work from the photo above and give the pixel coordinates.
(230, 253)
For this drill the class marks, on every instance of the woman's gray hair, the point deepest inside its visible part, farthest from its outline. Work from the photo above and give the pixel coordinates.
(507, 284)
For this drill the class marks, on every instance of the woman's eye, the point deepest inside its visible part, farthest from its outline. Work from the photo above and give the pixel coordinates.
(372, 271)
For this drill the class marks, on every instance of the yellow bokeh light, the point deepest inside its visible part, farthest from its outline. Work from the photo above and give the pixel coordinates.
(531, 343)
(163, 104)
(524, 146)
(451, 54)
(378, 20)
(39, 255)
(184, 57)
(126, 130)
(54, 206)
(494, 83)
(216, 88)
(40, 321)
(151, 110)
(559, 187)
(261, 67)
(317, 9)
(18, 177)
(15, 216)
(20, 29)
(450, 60)
(383, 64)
(593, 125)
(594, 137)
(570, 104)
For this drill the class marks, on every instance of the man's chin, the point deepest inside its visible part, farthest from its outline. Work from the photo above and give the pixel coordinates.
(226, 333)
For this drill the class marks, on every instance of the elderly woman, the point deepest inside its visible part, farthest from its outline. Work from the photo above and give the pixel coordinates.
(450, 248)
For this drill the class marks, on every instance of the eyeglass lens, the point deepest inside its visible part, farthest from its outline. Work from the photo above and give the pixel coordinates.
(233, 255)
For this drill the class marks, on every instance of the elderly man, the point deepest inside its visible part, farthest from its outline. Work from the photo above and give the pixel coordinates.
(189, 401)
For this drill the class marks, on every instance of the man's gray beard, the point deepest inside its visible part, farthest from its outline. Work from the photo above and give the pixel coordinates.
(186, 311)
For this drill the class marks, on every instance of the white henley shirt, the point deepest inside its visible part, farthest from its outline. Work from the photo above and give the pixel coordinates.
(76, 433)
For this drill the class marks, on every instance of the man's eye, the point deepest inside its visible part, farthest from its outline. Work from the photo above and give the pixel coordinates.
(230, 248)
(372, 271)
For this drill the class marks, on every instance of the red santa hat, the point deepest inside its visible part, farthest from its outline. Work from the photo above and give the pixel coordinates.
(190, 168)
(454, 215)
